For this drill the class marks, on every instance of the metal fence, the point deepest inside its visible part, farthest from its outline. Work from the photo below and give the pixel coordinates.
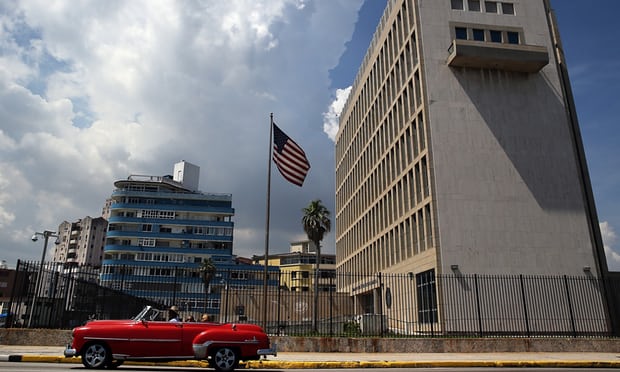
(56, 296)
(385, 305)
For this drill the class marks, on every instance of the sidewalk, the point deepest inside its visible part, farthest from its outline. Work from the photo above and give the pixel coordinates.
(299, 360)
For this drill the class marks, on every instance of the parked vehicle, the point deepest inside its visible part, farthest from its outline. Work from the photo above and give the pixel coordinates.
(149, 337)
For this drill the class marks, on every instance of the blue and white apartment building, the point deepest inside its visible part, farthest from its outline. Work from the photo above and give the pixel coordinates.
(161, 228)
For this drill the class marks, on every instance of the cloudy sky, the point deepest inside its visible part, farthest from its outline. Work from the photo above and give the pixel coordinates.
(93, 91)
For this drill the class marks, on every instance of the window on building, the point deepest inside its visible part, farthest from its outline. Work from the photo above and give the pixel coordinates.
(460, 33)
(427, 296)
(478, 34)
(496, 36)
(457, 4)
(508, 8)
(239, 275)
(145, 213)
(473, 5)
(144, 242)
(513, 37)
(490, 6)
(327, 274)
(166, 215)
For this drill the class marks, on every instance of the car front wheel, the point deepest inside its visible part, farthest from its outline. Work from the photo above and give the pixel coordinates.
(96, 355)
(224, 359)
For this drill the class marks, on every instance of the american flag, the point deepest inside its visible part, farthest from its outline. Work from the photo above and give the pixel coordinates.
(289, 157)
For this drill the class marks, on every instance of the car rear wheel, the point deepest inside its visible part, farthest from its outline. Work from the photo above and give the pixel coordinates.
(224, 359)
(96, 355)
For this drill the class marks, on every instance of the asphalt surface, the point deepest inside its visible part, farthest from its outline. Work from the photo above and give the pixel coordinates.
(300, 360)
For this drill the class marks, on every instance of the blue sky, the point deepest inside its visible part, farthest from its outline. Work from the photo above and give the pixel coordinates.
(91, 92)
(588, 32)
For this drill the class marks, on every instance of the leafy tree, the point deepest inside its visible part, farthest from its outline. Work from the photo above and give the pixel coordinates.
(316, 224)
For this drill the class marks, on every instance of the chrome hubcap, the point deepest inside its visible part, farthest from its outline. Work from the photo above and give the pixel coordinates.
(95, 355)
(225, 359)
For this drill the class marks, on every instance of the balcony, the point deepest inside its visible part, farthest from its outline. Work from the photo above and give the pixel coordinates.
(498, 56)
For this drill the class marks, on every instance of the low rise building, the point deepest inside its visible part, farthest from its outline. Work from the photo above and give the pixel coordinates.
(297, 267)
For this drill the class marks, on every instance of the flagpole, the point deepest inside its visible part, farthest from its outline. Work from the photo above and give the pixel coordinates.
(267, 223)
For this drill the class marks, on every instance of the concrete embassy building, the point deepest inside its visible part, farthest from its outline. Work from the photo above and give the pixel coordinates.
(459, 150)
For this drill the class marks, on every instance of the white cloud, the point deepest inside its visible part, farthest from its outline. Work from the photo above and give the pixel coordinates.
(609, 241)
(91, 92)
(6, 217)
(331, 117)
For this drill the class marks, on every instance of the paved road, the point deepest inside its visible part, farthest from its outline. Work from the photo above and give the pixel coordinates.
(56, 367)
(288, 360)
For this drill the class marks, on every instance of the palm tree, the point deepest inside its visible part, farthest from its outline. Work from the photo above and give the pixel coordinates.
(207, 272)
(316, 223)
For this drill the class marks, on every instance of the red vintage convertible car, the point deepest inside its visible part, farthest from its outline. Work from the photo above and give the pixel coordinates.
(148, 337)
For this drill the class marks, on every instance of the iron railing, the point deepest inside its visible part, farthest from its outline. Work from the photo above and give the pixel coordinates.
(387, 305)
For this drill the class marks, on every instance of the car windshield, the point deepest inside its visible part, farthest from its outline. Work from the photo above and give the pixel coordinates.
(149, 313)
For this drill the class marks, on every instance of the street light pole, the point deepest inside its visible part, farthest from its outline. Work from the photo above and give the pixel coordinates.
(46, 235)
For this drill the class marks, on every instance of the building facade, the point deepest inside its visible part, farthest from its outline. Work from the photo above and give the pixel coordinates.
(7, 278)
(80, 243)
(161, 229)
(459, 150)
(297, 268)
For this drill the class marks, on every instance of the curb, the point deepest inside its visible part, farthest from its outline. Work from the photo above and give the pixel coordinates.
(431, 364)
(275, 364)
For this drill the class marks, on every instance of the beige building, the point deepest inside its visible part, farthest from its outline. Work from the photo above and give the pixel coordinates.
(459, 150)
(297, 268)
(81, 242)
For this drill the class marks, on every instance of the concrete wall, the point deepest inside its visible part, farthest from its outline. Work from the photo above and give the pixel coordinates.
(51, 337)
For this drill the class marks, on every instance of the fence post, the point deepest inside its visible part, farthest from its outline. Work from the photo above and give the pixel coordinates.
(123, 269)
(279, 305)
(478, 305)
(174, 288)
(433, 299)
(331, 306)
(52, 314)
(381, 298)
(570, 306)
(226, 288)
(527, 320)
(10, 314)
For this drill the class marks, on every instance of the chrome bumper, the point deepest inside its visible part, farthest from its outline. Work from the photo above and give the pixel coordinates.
(200, 350)
(271, 351)
(69, 352)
